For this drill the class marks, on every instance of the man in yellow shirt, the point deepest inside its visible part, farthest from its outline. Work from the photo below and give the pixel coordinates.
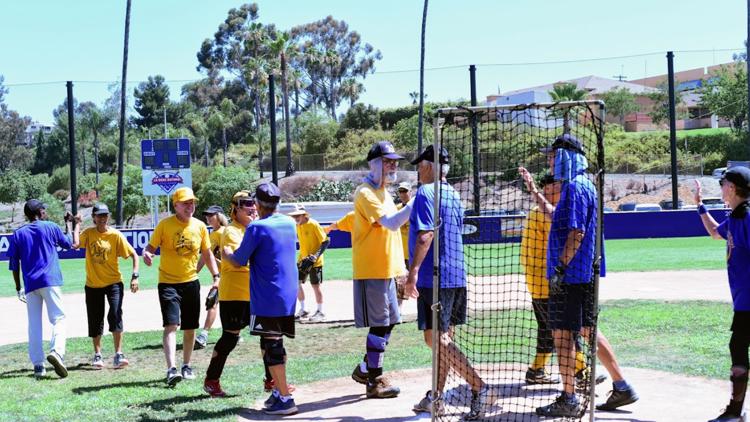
(234, 292)
(181, 239)
(313, 241)
(103, 246)
(377, 259)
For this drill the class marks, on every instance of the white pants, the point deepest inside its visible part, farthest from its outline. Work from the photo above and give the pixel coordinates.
(52, 296)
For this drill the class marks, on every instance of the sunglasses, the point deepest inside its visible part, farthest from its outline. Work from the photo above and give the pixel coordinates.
(246, 203)
(721, 182)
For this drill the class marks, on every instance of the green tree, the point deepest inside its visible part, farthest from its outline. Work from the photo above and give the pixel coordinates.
(406, 134)
(151, 101)
(725, 95)
(133, 201)
(567, 91)
(332, 54)
(222, 184)
(620, 102)
(12, 131)
(12, 188)
(361, 117)
(660, 111)
(284, 48)
(97, 121)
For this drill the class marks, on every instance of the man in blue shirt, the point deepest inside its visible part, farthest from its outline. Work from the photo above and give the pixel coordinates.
(735, 191)
(270, 245)
(452, 291)
(33, 251)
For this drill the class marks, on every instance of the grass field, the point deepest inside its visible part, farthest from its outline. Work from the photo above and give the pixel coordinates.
(691, 253)
(691, 339)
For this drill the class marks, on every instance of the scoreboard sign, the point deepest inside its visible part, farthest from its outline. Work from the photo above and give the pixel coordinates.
(165, 165)
(158, 154)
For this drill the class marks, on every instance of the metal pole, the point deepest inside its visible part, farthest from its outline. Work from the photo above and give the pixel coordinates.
(672, 128)
(272, 123)
(436, 306)
(474, 137)
(747, 68)
(165, 123)
(72, 152)
(421, 81)
(121, 145)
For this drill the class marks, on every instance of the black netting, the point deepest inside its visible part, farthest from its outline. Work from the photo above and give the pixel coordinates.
(502, 242)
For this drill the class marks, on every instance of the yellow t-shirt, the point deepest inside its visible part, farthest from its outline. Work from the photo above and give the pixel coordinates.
(376, 251)
(181, 245)
(310, 236)
(346, 223)
(215, 238)
(534, 253)
(102, 251)
(404, 235)
(235, 280)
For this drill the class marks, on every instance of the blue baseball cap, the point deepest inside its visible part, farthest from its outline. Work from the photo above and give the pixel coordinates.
(268, 192)
(383, 149)
(565, 141)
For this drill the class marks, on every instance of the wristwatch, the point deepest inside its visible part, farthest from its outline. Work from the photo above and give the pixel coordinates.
(217, 275)
(135, 275)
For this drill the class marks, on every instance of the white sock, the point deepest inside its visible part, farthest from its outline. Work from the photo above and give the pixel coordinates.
(285, 398)
(204, 332)
(320, 308)
(363, 367)
(302, 305)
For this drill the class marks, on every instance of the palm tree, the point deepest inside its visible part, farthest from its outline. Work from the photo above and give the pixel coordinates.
(351, 89)
(220, 118)
(284, 48)
(567, 91)
(421, 80)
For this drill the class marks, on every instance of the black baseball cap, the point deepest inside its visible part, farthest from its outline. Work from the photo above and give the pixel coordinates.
(100, 209)
(268, 192)
(214, 209)
(33, 206)
(429, 155)
(383, 149)
(548, 179)
(740, 176)
(565, 141)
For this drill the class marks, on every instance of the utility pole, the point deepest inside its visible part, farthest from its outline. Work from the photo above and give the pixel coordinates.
(672, 128)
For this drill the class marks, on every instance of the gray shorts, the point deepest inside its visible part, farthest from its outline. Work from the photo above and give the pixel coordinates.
(375, 303)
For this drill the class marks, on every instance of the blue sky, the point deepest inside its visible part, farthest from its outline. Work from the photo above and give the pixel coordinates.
(47, 41)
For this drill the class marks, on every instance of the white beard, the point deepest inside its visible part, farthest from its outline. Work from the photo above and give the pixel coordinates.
(391, 177)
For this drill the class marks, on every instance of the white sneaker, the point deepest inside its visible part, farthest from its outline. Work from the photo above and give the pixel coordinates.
(120, 361)
(97, 362)
(187, 372)
(318, 317)
(301, 314)
(201, 340)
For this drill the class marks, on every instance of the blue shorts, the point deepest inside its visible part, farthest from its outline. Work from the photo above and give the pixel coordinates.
(572, 308)
(375, 303)
(453, 301)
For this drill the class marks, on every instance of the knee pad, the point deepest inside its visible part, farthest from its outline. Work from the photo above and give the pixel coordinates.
(263, 343)
(738, 348)
(275, 352)
(227, 342)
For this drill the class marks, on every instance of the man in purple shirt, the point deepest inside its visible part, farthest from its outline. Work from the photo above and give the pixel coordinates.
(33, 251)
(735, 191)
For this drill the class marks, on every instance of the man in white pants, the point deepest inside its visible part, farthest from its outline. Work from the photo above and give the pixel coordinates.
(33, 250)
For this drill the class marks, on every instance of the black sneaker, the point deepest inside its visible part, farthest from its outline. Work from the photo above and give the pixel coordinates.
(173, 377)
(359, 375)
(727, 416)
(561, 407)
(618, 398)
(540, 376)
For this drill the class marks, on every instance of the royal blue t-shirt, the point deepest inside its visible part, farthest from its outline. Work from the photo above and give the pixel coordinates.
(270, 245)
(422, 218)
(34, 247)
(736, 230)
(577, 209)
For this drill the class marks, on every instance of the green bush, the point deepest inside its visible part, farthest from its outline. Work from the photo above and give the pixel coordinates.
(133, 201)
(60, 179)
(221, 185)
(360, 117)
(330, 190)
(405, 134)
(317, 132)
(55, 209)
(35, 186)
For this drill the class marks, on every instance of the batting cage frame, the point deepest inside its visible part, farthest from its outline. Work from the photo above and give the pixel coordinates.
(479, 357)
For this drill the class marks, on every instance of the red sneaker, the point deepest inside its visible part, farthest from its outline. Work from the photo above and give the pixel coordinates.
(213, 388)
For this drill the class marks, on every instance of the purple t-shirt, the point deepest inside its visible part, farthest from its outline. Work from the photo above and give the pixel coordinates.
(33, 251)
(736, 230)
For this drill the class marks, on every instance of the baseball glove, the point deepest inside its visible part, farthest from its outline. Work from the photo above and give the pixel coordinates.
(212, 298)
(306, 264)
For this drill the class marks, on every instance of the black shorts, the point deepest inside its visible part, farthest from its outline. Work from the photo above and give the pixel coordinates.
(316, 276)
(741, 322)
(272, 326)
(572, 308)
(180, 304)
(234, 314)
(95, 308)
(453, 301)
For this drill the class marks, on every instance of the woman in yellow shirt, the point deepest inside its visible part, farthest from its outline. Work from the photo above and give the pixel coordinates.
(215, 218)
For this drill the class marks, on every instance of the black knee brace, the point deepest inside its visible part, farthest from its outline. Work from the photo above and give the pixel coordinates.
(275, 352)
(227, 342)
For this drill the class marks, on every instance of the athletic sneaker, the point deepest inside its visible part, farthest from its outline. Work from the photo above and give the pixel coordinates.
(318, 317)
(97, 362)
(187, 372)
(39, 371)
(582, 378)
(618, 398)
(57, 362)
(173, 377)
(301, 314)
(201, 340)
(271, 399)
(427, 405)
(281, 407)
(561, 407)
(359, 375)
(732, 413)
(381, 389)
(213, 388)
(120, 361)
(540, 376)
(480, 403)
